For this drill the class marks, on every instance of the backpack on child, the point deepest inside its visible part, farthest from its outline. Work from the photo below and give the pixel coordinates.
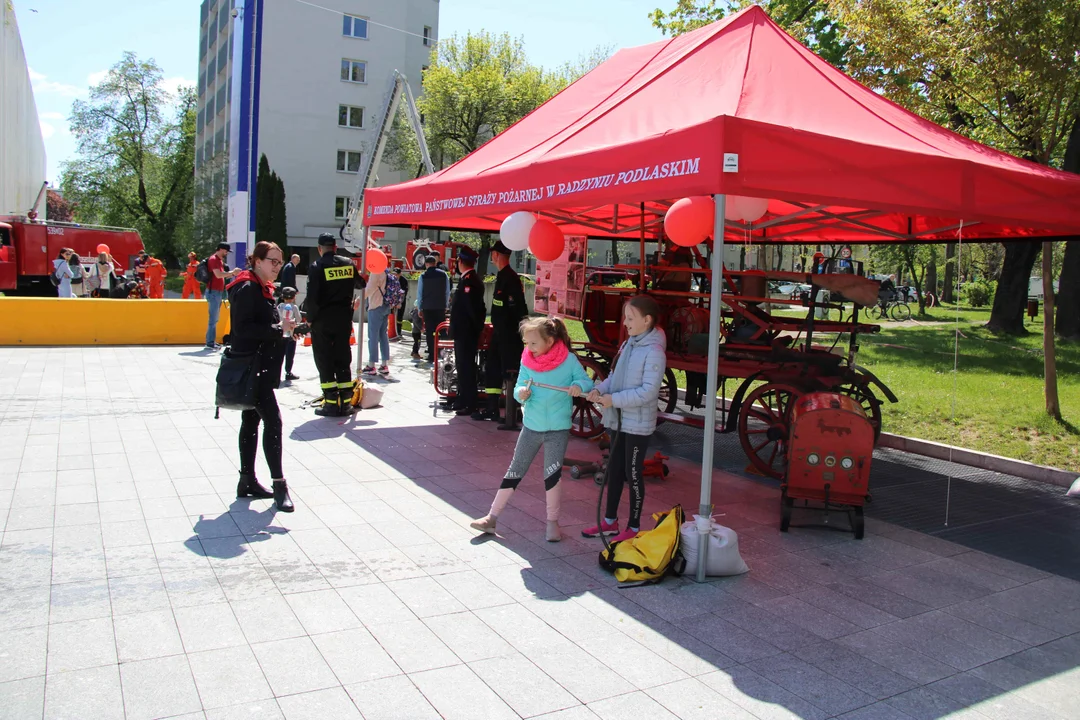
(202, 272)
(649, 556)
(393, 296)
(54, 276)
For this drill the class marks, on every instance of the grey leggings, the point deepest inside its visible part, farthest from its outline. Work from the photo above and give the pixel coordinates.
(528, 444)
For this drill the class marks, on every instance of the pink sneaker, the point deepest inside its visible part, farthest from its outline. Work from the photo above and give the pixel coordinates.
(604, 529)
(626, 534)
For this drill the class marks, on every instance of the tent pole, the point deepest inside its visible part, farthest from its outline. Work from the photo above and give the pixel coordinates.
(716, 310)
(360, 325)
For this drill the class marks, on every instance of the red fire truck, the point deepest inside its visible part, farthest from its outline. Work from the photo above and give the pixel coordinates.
(28, 248)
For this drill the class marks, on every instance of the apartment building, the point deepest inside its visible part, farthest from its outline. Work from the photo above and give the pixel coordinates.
(301, 83)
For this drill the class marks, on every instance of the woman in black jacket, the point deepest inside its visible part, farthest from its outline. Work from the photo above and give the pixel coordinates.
(257, 328)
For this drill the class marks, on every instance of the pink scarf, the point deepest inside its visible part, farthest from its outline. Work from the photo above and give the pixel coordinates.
(550, 360)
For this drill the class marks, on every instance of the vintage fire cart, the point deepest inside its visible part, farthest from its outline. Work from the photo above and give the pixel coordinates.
(773, 357)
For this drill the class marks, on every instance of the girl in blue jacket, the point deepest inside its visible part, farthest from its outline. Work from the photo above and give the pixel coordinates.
(546, 359)
(629, 396)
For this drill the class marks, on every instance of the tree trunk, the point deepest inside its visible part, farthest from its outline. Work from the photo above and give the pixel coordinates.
(1053, 409)
(916, 283)
(1068, 317)
(614, 251)
(1010, 300)
(931, 273)
(948, 292)
(482, 261)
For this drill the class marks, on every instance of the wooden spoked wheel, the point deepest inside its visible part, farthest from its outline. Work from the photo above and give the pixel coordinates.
(669, 394)
(586, 419)
(765, 425)
(869, 402)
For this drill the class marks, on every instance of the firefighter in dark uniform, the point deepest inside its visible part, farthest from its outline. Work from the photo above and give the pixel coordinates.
(332, 280)
(508, 309)
(467, 313)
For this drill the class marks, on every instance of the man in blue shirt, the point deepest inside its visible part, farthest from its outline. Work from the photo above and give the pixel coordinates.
(432, 299)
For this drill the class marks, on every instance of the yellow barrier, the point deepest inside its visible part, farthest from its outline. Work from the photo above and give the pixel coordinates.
(52, 321)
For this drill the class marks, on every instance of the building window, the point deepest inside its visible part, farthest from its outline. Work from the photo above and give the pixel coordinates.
(354, 27)
(222, 57)
(211, 69)
(212, 39)
(348, 161)
(349, 116)
(200, 121)
(353, 71)
(202, 47)
(223, 19)
(221, 97)
(427, 36)
(341, 207)
(210, 108)
(202, 83)
(203, 11)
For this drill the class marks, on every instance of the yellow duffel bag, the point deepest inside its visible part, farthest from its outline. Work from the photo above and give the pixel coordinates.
(649, 556)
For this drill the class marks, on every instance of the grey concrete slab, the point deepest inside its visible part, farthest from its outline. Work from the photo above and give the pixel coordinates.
(93, 692)
(521, 685)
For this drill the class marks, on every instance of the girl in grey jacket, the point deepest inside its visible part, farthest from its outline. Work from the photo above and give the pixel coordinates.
(632, 390)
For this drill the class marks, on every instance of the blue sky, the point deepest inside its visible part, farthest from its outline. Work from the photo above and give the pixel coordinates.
(70, 44)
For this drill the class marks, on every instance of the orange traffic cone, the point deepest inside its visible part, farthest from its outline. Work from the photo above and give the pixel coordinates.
(352, 336)
(307, 341)
(391, 327)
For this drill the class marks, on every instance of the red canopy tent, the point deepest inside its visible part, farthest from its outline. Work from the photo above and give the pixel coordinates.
(737, 108)
(654, 124)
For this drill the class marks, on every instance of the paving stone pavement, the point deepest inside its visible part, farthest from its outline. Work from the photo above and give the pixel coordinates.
(134, 585)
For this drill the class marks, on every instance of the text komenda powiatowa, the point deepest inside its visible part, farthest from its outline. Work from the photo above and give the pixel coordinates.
(516, 196)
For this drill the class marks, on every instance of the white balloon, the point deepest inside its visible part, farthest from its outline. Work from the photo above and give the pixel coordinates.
(745, 209)
(515, 230)
(752, 209)
(731, 207)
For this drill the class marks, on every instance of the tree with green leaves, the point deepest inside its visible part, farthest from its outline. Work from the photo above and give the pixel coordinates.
(264, 197)
(135, 158)
(278, 225)
(270, 215)
(1003, 72)
(477, 85)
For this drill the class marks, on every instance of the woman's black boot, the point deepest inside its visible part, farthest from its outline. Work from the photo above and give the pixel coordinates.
(281, 496)
(250, 487)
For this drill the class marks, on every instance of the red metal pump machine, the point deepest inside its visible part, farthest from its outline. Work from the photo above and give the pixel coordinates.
(830, 450)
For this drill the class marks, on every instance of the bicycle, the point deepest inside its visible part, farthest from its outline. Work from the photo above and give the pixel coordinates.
(894, 309)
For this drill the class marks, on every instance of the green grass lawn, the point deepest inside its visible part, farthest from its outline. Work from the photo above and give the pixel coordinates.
(999, 404)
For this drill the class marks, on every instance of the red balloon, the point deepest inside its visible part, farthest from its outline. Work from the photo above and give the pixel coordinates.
(376, 261)
(102, 248)
(689, 221)
(546, 241)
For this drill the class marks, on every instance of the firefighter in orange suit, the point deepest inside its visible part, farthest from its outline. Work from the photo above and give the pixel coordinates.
(191, 284)
(155, 277)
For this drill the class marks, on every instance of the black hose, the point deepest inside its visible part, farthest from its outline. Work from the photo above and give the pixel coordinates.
(603, 484)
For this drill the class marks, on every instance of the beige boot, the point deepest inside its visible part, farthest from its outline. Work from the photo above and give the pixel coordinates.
(485, 524)
(554, 532)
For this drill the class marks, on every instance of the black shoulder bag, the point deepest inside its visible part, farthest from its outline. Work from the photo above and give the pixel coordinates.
(237, 380)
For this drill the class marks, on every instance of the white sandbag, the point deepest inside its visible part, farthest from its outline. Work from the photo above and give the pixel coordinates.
(723, 555)
(371, 397)
(1074, 491)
